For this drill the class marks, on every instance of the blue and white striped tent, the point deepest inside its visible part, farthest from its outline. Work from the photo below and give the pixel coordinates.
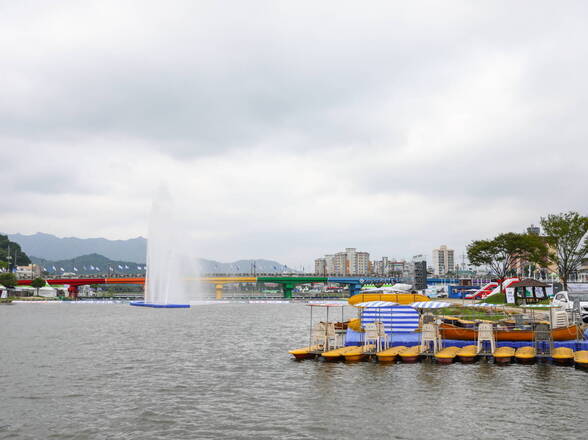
(430, 305)
(396, 318)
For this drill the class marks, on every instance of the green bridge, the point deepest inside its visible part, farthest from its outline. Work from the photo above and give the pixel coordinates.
(288, 283)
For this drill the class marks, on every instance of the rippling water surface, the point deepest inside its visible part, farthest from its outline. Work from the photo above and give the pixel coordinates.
(223, 372)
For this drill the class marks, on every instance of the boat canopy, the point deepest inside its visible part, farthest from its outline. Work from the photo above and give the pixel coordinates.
(482, 305)
(430, 305)
(376, 304)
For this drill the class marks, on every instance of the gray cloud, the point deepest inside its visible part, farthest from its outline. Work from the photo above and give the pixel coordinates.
(292, 129)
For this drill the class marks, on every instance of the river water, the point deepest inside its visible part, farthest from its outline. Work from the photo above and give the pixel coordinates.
(222, 372)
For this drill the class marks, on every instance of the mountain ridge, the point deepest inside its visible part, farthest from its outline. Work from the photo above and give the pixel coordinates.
(99, 264)
(51, 247)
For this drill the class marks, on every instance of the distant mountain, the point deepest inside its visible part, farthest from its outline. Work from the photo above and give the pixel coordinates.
(53, 248)
(90, 264)
(245, 267)
(100, 265)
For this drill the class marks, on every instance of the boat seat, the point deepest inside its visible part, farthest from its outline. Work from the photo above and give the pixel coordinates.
(486, 334)
(430, 335)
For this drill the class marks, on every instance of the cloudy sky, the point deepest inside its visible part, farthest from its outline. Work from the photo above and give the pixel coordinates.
(287, 130)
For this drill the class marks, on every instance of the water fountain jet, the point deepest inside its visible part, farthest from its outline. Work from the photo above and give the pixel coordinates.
(172, 271)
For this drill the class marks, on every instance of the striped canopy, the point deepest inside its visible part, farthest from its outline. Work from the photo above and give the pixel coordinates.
(539, 306)
(430, 304)
(481, 305)
(395, 318)
(376, 304)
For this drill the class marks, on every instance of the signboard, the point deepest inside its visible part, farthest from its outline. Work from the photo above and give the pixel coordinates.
(510, 295)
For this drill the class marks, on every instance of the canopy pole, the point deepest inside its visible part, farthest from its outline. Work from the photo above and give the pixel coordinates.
(310, 328)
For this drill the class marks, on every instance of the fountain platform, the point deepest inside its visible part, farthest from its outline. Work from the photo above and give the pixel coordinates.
(159, 306)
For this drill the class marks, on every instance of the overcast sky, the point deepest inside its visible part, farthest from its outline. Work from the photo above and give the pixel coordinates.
(288, 130)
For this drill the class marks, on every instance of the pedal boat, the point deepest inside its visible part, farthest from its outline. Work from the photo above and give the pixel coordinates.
(447, 355)
(526, 355)
(503, 355)
(468, 354)
(337, 354)
(390, 354)
(410, 355)
(581, 359)
(562, 356)
(358, 353)
(306, 352)
(451, 331)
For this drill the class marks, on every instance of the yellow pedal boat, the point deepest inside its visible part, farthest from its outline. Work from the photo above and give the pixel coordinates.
(581, 359)
(562, 356)
(526, 355)
(306, 352)
(503, 355)
(411, 354)
(468, 354)
(358, 353)
(337, 354)
(390, 354)
(447, 355)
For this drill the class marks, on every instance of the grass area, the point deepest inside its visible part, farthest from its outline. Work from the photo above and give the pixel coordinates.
(499, 298)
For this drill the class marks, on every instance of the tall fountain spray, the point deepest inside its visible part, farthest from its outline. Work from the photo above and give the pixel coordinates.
(172, 267)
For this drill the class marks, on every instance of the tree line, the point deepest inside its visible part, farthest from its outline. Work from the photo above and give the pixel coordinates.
(562, 247)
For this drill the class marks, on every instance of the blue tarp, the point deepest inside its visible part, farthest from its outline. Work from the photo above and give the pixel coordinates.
(409, 339)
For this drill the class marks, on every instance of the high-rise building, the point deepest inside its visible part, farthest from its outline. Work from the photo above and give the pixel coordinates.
(420, 275)
(535, 230)
(348, 262)
(320, 266)
(391, 268)
(443, 260)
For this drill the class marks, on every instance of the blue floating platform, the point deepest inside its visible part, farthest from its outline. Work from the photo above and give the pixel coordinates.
(413, 338)
(160, 306)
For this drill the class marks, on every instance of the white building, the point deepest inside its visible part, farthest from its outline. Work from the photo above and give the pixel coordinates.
(28, 272)
(349, 262)
(395, 268)
(443, 260)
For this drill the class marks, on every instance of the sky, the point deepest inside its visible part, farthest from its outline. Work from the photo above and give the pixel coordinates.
(288, 130)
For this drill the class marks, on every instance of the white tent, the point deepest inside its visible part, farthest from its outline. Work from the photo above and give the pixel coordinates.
(47, 291)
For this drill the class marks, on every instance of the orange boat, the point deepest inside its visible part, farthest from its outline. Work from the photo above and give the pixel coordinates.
(450, 331)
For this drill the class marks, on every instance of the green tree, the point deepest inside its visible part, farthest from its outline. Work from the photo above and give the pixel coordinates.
(12, 250)
(8, 279)
(567, 236)
(37, 283)
(506, 251)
